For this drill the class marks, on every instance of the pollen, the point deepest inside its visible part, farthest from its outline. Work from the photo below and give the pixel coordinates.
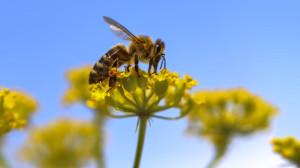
(113, 71)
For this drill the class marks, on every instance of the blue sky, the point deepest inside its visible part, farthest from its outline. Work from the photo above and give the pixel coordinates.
(222, 44)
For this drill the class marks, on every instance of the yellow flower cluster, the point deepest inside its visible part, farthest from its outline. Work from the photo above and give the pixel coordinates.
(289, 148)
(78, 91)
(64, 143)
(142, 95)
(221, 114)
(15, 109)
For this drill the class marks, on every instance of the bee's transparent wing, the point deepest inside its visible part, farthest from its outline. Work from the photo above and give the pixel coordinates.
(120, 30)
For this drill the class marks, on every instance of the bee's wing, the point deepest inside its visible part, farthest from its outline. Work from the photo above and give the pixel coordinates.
(120, 30)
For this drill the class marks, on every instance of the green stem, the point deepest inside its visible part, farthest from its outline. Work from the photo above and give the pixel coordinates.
(159, 108)
(144, 100)
(127, 109)
(126, 98)
(219, 153)
(142, 133)
(3, 162)
(154, 103)
(100, 118)
(118, 116)
(149, 96)
(167, 118)
(137, 101)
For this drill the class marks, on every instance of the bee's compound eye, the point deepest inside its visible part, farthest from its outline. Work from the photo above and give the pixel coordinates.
(157, 48)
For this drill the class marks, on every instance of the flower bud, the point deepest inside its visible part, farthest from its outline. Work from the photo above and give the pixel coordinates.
(129, 83)
(142, 82)
(160, 88)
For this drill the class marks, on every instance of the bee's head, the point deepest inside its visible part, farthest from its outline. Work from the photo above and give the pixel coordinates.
(158, 49)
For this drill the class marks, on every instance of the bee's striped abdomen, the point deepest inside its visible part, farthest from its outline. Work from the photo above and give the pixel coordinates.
(100, 70)
(102, 67)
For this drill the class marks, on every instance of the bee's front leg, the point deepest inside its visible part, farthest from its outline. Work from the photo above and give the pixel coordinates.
(150, 65)
(155, 67)
(136, 66)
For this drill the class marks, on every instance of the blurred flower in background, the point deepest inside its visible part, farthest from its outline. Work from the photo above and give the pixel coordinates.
(78, 93)
(226, 114)
(288, 148)
(64, 143)
(16, 109)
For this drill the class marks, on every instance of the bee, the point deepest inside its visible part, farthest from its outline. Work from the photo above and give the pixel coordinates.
(141, 49)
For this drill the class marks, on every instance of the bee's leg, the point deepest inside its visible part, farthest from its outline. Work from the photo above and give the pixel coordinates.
(155, 67)
(112, 82)
(136, 66)
(128, 67)
(113, 75)
(150, 65)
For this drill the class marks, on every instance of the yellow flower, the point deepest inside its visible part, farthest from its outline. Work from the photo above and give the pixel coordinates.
(64, 143)
(143, 95)
(16, 109)
(289, 148)
(220, 115)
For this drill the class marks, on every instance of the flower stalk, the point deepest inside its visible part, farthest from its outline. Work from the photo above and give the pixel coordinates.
(100, 118)
(141, 139)
(3, 162)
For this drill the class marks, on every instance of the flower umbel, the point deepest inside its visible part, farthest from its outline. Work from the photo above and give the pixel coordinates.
(289, 148)
(143, 97)
(221, 115)
(15, 110)
(64, 143)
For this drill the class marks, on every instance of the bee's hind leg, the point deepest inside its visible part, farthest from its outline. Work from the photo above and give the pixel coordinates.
(113, 76)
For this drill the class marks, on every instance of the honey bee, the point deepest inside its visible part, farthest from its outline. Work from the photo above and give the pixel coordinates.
(141, 49)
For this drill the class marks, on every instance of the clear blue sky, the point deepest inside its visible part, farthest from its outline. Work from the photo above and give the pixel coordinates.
(222, 44)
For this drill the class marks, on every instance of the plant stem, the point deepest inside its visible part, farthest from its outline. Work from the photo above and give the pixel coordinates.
(220, 151)
(3, 162)
(100, 118)
(142, 133)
